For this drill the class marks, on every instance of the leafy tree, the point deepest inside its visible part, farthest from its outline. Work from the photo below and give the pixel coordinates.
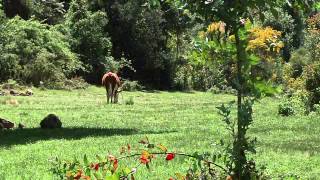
(33, 52)
(2, 14)
(17, 7)
(139, 34)
(284, 23)
(180, 27)
(86, 31)
(50, 11)
(234, 14)
(301, 74)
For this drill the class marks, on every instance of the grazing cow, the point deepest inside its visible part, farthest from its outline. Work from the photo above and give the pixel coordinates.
(112, 82)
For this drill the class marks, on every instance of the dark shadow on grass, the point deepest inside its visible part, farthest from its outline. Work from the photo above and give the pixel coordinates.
(306, 142)
(311, 146)
(32, 135)
(183, 91)
(150, 91)
(169, 91)
(282, 128)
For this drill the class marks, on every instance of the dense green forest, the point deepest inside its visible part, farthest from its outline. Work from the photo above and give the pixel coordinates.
(50, 41)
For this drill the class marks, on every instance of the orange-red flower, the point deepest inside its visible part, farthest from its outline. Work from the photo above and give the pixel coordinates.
(78, 175)
(115, 165)
(86, 177)
(95, 166)
(144, 159)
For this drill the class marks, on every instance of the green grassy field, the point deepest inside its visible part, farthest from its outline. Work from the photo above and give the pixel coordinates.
(184, 122)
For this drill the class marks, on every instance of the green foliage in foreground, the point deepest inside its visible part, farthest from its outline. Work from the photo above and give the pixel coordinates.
(187, 122)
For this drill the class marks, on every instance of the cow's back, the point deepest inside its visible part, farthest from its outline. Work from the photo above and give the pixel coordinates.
(110, 78)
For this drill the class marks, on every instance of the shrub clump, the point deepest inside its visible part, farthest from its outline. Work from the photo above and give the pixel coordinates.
(129, 101)
(302, 73)
(12, 84)
(34, 52)
(222, 90)
(294, 104)
(67, 84)
(286, 108)
(131, 86)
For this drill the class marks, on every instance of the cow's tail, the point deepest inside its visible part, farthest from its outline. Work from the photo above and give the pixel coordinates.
(103, 80)
(109, 89)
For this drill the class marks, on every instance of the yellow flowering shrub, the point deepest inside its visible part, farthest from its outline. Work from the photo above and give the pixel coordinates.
(264, 42)
(265, 39)
(216, 27)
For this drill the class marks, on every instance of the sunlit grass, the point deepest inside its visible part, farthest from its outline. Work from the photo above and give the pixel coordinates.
(184, 122)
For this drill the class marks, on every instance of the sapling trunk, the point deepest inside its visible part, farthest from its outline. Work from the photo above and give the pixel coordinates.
(239, 141)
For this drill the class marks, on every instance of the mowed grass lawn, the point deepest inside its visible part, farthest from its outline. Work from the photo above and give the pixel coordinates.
(184, 122)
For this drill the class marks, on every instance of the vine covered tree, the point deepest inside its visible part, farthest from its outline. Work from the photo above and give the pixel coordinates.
(235, 14)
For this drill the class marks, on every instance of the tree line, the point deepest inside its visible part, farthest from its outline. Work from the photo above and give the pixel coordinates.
(49, 41)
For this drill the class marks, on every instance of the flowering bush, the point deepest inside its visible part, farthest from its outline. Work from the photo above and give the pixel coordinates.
(108, 167)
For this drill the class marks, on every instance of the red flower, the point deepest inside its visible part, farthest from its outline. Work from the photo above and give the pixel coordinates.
(78, 175)
(96, 166)
(171, 178)
(115, 165)
(144, 160)
(170, 156)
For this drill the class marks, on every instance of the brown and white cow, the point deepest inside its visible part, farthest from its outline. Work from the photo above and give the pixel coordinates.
(112, 83)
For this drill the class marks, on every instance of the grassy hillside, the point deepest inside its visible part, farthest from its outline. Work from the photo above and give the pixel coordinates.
(184, 122)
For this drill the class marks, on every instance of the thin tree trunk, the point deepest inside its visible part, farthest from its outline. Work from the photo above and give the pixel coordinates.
(238, 146)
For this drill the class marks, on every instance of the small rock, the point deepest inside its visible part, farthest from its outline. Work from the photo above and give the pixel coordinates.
(29, 92)
(6, 124)
(50, 122)
(14, 92)
(23, 94)
(21, 126)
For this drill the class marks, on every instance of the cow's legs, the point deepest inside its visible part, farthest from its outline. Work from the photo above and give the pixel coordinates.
(109, 91)
(107, 94)
(115, 93)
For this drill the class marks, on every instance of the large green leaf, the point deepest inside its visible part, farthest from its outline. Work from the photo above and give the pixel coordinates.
(85, 160)
(317, 6)
(253, 59)
(266, 88)
(113, 177)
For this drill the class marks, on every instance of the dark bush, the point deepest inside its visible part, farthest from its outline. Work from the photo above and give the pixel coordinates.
(286, 109)
(131, 86)
(68, 84)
